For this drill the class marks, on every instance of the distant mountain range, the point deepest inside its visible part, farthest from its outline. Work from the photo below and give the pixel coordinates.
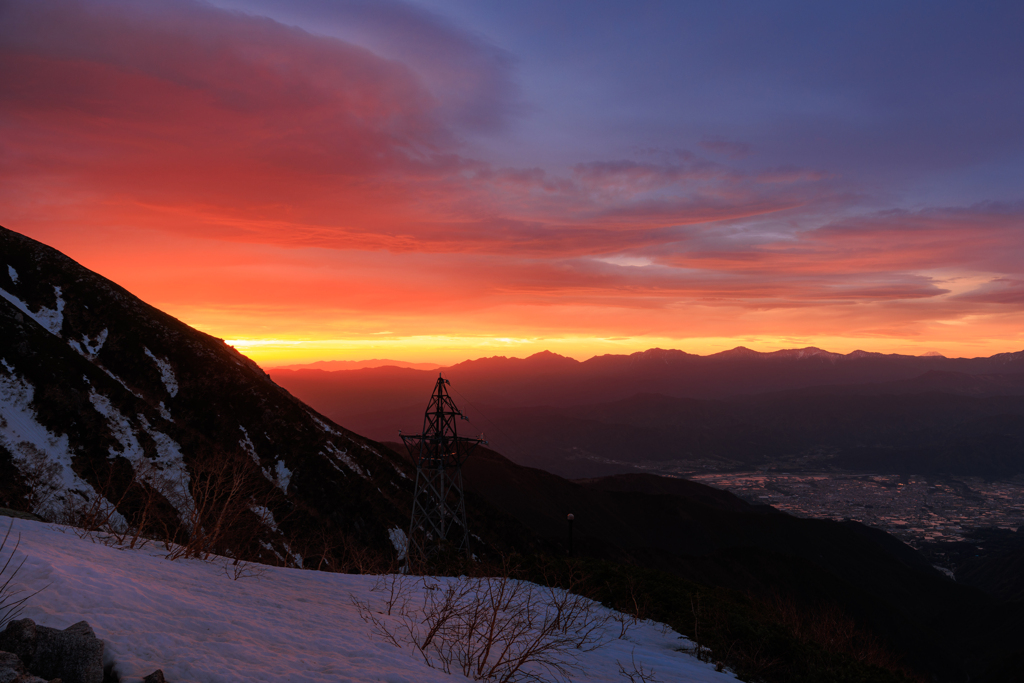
(672, 411)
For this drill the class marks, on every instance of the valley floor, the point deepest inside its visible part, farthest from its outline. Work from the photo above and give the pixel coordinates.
(917, 509)
(194, 620)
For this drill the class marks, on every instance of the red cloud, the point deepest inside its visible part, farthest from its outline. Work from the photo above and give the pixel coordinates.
(183, 105)
(184, 117)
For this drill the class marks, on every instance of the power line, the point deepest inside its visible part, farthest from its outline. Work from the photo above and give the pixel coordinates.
(492, 423)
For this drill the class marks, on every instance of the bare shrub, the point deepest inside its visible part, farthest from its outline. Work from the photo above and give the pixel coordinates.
(89, 517)
(238, 569)
(218, 506)
(624, 621)
(218, 512)
(339, 552)
(636, 673)
(94, 515)
(699, 650)
(831, 629)
(396, 589)
(10, 604)
(633, 610)
(100, 517)
(43, 479)
(490, 628)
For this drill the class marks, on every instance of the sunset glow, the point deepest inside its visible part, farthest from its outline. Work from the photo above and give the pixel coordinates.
(436, 181)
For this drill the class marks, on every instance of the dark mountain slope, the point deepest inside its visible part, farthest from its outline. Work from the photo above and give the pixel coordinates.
(613, 413)
(1000, 573)
(958, 383)
(910, 433)
(653, 485)
(716, 539)
(552, 380)
(107, 399)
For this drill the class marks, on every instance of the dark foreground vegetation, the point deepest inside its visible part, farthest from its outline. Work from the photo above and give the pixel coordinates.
(760, 638)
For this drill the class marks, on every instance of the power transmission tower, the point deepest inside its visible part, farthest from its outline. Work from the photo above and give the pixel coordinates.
(439, 504)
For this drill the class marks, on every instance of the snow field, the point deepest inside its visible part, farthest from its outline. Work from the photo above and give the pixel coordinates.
(195, 621)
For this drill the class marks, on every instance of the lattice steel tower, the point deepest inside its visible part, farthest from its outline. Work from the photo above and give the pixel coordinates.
(439, 505)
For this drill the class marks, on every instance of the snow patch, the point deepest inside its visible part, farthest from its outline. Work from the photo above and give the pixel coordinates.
(246, 443)
(93, 347)
(166, 472)
(42, 457)
(51, 319)
(271, 548)
(324, 426)
(166, 373)
(13, 273)
(344, 457)
(116, 378)
(400, 541)
(284, 476)
(265, 515)
(119, 426)
(280, 477)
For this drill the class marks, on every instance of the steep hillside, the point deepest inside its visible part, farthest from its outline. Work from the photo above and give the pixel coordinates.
(715, 539)
(107, 403)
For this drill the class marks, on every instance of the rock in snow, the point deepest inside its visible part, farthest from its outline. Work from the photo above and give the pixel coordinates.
(73, 655)
(12, 670)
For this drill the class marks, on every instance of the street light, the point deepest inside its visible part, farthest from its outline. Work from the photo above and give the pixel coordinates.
(570, 517)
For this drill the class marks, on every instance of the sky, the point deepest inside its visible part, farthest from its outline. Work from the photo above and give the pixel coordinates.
(449, 179)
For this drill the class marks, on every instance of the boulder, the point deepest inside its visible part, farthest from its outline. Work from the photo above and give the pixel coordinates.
(20, 638)
(155, 677)
(74, 655)
(11, 667)
(12, 670)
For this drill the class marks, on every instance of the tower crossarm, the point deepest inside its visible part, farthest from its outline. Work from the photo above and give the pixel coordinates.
(439, 508)
(439, 444)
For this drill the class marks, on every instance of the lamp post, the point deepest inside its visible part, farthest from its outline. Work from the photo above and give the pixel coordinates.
(570, 517)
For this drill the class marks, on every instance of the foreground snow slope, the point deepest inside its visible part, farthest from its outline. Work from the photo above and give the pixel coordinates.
(192, 620)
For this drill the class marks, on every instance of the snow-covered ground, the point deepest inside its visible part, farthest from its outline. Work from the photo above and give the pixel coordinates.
(198, 623)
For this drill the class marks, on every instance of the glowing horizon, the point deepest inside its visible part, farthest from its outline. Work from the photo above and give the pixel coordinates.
(448, 351)
(439, 180)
